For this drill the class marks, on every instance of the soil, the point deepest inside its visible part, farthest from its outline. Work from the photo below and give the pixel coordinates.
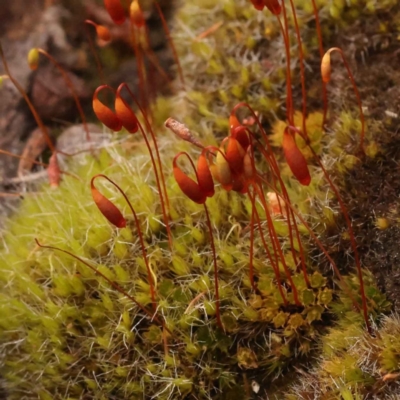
(371, 190)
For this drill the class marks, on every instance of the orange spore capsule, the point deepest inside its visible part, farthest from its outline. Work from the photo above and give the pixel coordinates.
(295, 159)
(115, 10)
(188, 186)
(103, 33)
(104, 113)
(233, 122)
(136, 14)
(326, 67)
(223, 170)
(214, 171)
(234, 155)
(125, 114)
(258, 4)
(206, 182)
(240, 185)
(248, 167)
(273, 6)
(240, 134)
(53, 171)
(106, 207)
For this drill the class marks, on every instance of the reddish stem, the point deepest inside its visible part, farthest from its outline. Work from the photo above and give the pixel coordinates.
(353, 82)
(153, 136)
(30, 105)
(270, 158)
(320, 245)
(352, 237)
(274, 266)
(141, 240)
(321, 53)
(216, 283)
(94, 52)
(365, 313)
(71, 88)
(285, 34)
(170, 41)
(251, 254)
(302, 70)
(140, 67)
(275, 239)
(153, 59)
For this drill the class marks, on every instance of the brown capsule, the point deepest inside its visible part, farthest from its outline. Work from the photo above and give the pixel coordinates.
(204, 176)
(234, 155)
(326, 67)
(241, 135)
(248, 167)
(125, 114)
(273, 6)
(103, 33)
(106, 207)
(295, 159)
(104, 113)
(188, 186)
(224, 173)
(233, 122)
(115, 10)
(258, 4)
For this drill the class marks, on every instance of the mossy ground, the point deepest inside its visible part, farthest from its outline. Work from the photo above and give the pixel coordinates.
(354, 365)
(65, 333)
(78, 338)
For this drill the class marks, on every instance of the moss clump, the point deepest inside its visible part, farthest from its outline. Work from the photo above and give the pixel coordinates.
(353, 364)
(65, 328)
(243, 59)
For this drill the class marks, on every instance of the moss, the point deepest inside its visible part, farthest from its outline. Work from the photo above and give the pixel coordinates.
(353, 364)
(75, 324)
(224, 59)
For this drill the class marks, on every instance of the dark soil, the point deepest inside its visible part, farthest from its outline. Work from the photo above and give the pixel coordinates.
(371, 190)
